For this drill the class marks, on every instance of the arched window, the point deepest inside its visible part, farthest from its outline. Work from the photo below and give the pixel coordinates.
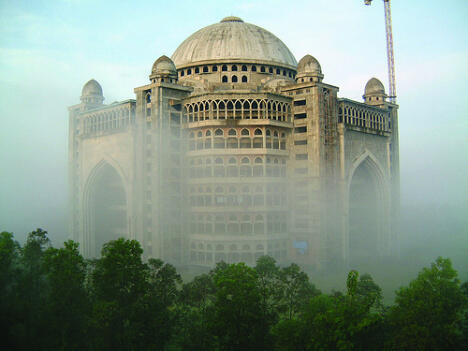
(234, 79)
(214, 69)
(218, 161)
(224, 68)
(245, 143)
(225, 79)
(232, 171)
(245, 171)
(244, 68)
(205, 69)
(232, 132)
(245, 160)
(254, 68)
(244, 79)
(258, 132)
(232, 143)
(199, 134)
(232, 160)
(258, 143)
(218, 143)
(218, 132)
(197, 70)
(245, 132)
(182, 73)
(258, 160)
(268, 132)
(148, 98)
(234, 68)
(189, 71)
(262, 69)
(208, 133)
(278, 71)
(270, 69)
(258, 171)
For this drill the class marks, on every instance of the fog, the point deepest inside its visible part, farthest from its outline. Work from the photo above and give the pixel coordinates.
(49, 49)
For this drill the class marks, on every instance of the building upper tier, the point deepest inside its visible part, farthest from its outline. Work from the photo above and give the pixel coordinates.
(233, 40)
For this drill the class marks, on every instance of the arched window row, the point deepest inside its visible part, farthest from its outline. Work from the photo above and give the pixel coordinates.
(242, 67)
(238, 109)
(235, 170)
(240, 159)
(303, 80)
(106, 121)
(234, 79)
(222, 247)
(361, 117)
(237, 138)
(236, 224)
(270, 188)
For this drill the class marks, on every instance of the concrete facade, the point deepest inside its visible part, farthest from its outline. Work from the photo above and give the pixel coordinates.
(232, 151)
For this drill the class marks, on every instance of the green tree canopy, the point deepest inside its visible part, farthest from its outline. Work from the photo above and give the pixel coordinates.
(427, 312)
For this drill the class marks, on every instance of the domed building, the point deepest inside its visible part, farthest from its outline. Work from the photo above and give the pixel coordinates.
(233, 150)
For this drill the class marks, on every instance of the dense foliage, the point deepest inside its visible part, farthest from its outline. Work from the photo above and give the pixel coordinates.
(54, 299)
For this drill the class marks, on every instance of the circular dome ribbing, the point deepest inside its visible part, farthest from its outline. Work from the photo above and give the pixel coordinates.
(92, 87)
(374, 86)
(233, 39)
(163, 65)
(309, 64)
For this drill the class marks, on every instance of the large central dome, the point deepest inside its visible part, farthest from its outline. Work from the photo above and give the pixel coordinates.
(233, 40)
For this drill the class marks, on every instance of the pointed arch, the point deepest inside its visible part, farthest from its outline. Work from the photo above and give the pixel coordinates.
(367, 199)
(368, 159)
(105, 206)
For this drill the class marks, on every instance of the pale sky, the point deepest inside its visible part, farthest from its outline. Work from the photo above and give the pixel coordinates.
(49, 49)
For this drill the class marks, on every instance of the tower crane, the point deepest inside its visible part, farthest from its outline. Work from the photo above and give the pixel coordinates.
(390, 58)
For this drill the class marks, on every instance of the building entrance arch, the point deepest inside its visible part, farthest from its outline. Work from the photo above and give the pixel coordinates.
(367, 198)
(105, 208)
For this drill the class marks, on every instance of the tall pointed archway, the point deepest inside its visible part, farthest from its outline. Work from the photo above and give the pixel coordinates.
(105, 208)
(367, 229)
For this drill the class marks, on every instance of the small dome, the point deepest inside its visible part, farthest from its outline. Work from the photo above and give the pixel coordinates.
(309, 64)
(374, 87)
(92, 88)
(163, 65)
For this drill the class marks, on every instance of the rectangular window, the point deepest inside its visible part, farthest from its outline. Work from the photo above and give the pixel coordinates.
(300, 142)
(301, 224)
(301, 157)
(300, 115)
(299, 102)
(300, 170)
(300, 130)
